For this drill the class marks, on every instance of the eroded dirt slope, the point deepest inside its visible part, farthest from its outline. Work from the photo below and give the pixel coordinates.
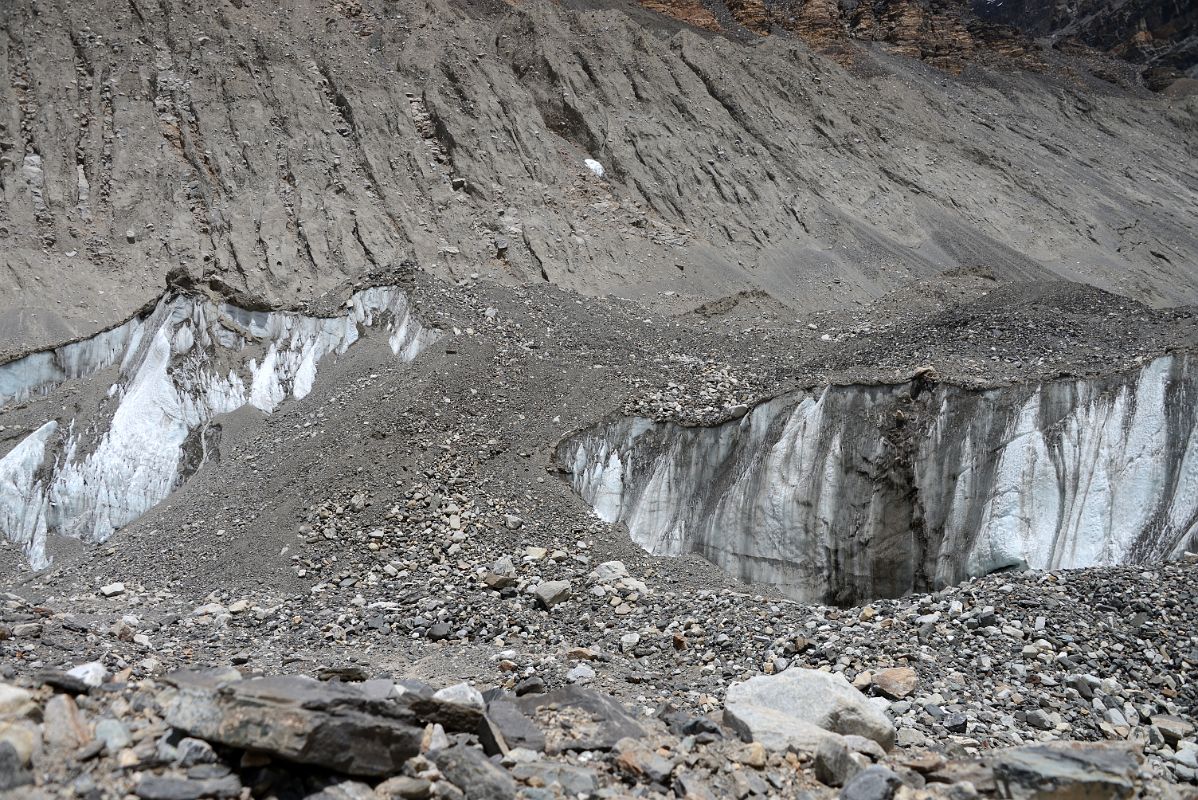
(276, 151)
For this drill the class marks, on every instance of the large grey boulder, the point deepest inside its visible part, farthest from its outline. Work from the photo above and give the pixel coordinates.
(798, 708)
(332, 725)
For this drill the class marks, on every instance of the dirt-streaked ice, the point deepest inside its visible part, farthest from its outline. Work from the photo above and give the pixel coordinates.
(851, 492)
(180, 367)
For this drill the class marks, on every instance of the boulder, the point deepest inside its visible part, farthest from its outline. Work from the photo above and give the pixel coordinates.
(872, 783)
(896, 682)
(1066, 770)
(473, 773)
(551, 593)
(332, 725)
(799, 707)
(592, 721)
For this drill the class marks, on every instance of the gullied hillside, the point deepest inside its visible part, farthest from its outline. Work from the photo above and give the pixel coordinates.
(273, 153)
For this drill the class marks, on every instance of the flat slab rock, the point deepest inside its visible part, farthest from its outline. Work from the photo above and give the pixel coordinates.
(799, 708)
(338, 726)
(1078, 769)
(574, 718)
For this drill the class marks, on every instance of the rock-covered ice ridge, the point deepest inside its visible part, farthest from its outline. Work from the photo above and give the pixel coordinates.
(170, 374)
(850, 492)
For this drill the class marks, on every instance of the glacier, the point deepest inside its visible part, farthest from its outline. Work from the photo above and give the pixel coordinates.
(842, 494)
(170, 373)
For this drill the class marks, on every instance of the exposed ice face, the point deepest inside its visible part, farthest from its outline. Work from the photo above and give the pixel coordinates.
(180, 367)
(22, 496)
(825, 496)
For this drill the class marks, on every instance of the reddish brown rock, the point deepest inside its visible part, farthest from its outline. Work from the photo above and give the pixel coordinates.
(896, 682)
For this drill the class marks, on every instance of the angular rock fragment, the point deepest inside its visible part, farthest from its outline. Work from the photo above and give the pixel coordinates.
(14, 701)
(569, 780)
(592, 721)
(1066, 770)
(64, 726)
(642, 761)
(872, 783)
(1173, 728)
(509, 728)
(834, 763)
(552, 593)
(799, 706)
(12, 770)
(62, 681)
(298, 719)
(403, 787)
(474, 773)
(896, 682)
(155, 787)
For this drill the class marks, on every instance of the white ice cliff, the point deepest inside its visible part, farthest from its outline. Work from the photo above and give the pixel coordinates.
(853, 492)
(180, 367)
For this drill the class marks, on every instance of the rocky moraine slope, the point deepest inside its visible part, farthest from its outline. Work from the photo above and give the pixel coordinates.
(598, 399)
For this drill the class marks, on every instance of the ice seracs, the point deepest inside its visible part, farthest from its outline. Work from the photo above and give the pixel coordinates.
(171, 373)
(852, 492)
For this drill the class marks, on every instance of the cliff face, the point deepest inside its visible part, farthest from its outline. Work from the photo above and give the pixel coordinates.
(854, 492)
(941, 32)
(953, 33)
(1151, 32)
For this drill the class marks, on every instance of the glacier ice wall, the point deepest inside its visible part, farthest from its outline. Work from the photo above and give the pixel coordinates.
(853, 492)
(172, 372)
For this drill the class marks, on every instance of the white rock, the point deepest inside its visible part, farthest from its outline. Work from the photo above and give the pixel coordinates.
(796, 707)
(551, 593)
(462, 694)
(92, 673)
(209, 610)
(580, 674)
(14, 701)
(609, 571)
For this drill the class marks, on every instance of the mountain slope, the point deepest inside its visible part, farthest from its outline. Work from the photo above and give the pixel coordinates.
(277, 153)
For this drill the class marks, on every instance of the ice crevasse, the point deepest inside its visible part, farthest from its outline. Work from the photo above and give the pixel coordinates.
(847, 493)
(172, 373)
